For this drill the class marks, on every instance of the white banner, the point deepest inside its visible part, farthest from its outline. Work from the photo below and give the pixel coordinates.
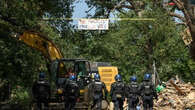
(93, 24)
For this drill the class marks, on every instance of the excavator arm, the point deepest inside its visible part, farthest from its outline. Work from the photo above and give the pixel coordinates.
(45, 46)
(42, 44)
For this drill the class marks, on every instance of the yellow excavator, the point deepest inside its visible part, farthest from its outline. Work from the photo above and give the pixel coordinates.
(58, 66)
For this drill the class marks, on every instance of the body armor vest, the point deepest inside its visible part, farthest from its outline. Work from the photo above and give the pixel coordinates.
(98, 87)
(147, 88)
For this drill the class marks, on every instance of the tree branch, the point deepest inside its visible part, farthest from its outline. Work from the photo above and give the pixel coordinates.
(11, 21)
(118, 5)
(180, 6)
(178, 16)
(89, 10)
(125, 6)
(132, 3)
(181, 23)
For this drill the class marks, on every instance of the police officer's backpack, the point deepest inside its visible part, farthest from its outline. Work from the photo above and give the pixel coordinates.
(134, 88)
(98, 87)
(147, 88)
(119, 89)
(42, 89)
(73, 87)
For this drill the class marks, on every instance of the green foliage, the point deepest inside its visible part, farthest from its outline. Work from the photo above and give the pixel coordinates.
(102, 7)
(19, 63)
(134, 45)
(20, 95)
(26, 14)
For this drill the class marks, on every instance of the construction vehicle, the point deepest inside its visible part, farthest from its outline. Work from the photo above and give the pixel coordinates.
(58, 66)
(95, 65)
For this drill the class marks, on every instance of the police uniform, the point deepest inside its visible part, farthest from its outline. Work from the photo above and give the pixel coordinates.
(71, 93)
(117, 94)
(147, 93)
(132, 94)
(98, 87)
(41, 92)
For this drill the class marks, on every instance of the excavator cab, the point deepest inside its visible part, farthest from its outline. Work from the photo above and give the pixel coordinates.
(61, 69)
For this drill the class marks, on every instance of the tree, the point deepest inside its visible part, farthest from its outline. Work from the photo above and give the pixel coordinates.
(134, 45)
(20, 64)
(188, 19)
(27, 14)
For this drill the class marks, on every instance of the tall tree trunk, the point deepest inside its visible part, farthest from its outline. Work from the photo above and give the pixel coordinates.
(189, 16)
(150, 55)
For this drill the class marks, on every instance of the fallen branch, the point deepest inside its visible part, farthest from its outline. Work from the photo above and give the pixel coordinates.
(176, 87)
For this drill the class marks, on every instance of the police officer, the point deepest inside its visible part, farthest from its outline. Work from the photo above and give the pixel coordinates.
(117, 92)
(41, 91)
(132, 93)
(99, 92)
(147, 92)
(71, 93)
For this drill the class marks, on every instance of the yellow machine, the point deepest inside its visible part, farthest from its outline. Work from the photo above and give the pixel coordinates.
(41, 43)
(58, 66)
(107, 75)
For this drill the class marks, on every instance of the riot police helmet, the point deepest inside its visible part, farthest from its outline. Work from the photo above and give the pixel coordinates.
(41, 75)
(133, 79)
(72, 77)
(118, 77)
(97, 77)
(147, 76)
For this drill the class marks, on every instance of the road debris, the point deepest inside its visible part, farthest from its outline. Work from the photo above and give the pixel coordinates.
(176, 96)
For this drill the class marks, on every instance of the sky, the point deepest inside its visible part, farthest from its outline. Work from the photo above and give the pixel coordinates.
(79, 10)
(80, 7)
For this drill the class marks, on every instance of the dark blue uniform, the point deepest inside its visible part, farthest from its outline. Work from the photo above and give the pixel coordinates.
(71, 94)
(41, 92)
(117, 94)
(132, 94)
(99, 92)
(147, 92)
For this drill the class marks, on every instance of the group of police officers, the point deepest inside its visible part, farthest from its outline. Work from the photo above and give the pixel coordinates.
(133, 92)
(41, 92)
(119, 91)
